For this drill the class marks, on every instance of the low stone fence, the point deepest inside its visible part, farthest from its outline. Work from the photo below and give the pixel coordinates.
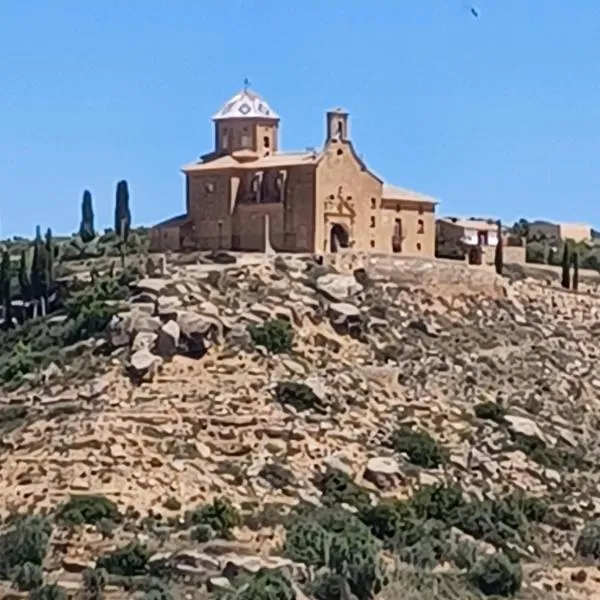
(438, 275)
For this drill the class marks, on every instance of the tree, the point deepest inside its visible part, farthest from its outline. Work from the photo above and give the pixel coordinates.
(48, 265)
(5, 296)
(499, 255)
(122, 212)
(575, 263)
(566, 278)
(38, 270)
(122, 218)
(86, 228)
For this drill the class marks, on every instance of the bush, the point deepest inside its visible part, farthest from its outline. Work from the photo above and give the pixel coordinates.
(277, 475)
(128, 561)
(275, 335)
(588, 543)
(335, 539)
(27, 576)
(266, 585)
(549, 456)
(94, 581)
(25, 542)
(202, 534)
(48, 592)
(490, 411)
(90, 510)
(418, 528)
(298, 395)
(221, 516)
(39, 341)
(422, 450)
(337, 488)
(496, 575)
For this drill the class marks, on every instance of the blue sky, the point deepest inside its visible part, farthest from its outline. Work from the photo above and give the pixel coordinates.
(498, 115)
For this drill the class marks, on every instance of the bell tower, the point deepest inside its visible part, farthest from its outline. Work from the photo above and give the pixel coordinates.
(337, 125)
(246, 122)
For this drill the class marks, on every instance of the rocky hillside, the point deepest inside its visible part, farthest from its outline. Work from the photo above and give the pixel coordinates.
(277, 428)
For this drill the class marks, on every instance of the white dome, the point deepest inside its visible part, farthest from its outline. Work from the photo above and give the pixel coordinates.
(246, 105)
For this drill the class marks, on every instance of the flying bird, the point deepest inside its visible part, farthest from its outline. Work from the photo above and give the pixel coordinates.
(474, 11)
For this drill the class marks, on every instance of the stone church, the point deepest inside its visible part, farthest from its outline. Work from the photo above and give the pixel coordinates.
(248, 195)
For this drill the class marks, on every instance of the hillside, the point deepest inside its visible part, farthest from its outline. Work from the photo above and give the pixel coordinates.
(386, 427)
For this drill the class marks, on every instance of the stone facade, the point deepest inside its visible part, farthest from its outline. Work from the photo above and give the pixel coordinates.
(312, 201)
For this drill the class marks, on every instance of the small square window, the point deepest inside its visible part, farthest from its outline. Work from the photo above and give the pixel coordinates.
(419, 247)
(420, 226)
(373, 203)
(372, 243)
(372, 221)
(209, 187)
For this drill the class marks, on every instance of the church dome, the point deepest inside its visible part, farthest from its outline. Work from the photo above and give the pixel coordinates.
(246, 105)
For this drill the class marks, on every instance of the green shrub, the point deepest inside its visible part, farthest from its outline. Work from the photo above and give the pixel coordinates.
(94, 582)
(157, 589)
(90, 510)
(337, 487)
(298, 395)
(335, 539)
(496, 575)
(559, 458)
(27, 576)
(328, 586)
(128, 561)
(421, 449)
(490, 411)
(418, 528)
(48, 592)
(266, 585)
(276, 335)
(221, 516)
(26, 541)
(277, 475)
(588, 543)
(202, 534)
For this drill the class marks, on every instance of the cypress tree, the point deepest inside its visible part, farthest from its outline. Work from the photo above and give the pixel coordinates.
(38, 270)
(24, 277)
(566, 276)
(86, 228)
(48, 265)
(499, 254)
(5, 280)
(575, 263)
(122, 212)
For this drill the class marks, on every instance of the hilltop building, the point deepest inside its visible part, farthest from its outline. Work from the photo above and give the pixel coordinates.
(248, 195)
(475, 240)
(578, 232)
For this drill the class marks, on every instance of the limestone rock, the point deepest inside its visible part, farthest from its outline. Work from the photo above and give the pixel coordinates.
(168, 339)
(338, 288)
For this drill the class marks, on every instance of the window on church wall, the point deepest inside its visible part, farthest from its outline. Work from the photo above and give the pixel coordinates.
(420, 226)
(245, 140)
(372, 221)
(267, 141)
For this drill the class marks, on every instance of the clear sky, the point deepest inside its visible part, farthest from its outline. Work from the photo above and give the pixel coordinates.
(496, 116)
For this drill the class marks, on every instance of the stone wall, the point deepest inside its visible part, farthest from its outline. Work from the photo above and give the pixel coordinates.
(445, 277)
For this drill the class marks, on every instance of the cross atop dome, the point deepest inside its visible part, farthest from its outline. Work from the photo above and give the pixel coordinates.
(246, 105)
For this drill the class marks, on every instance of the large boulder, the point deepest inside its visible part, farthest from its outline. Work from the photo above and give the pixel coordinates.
(168, 339)
(338, 288)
